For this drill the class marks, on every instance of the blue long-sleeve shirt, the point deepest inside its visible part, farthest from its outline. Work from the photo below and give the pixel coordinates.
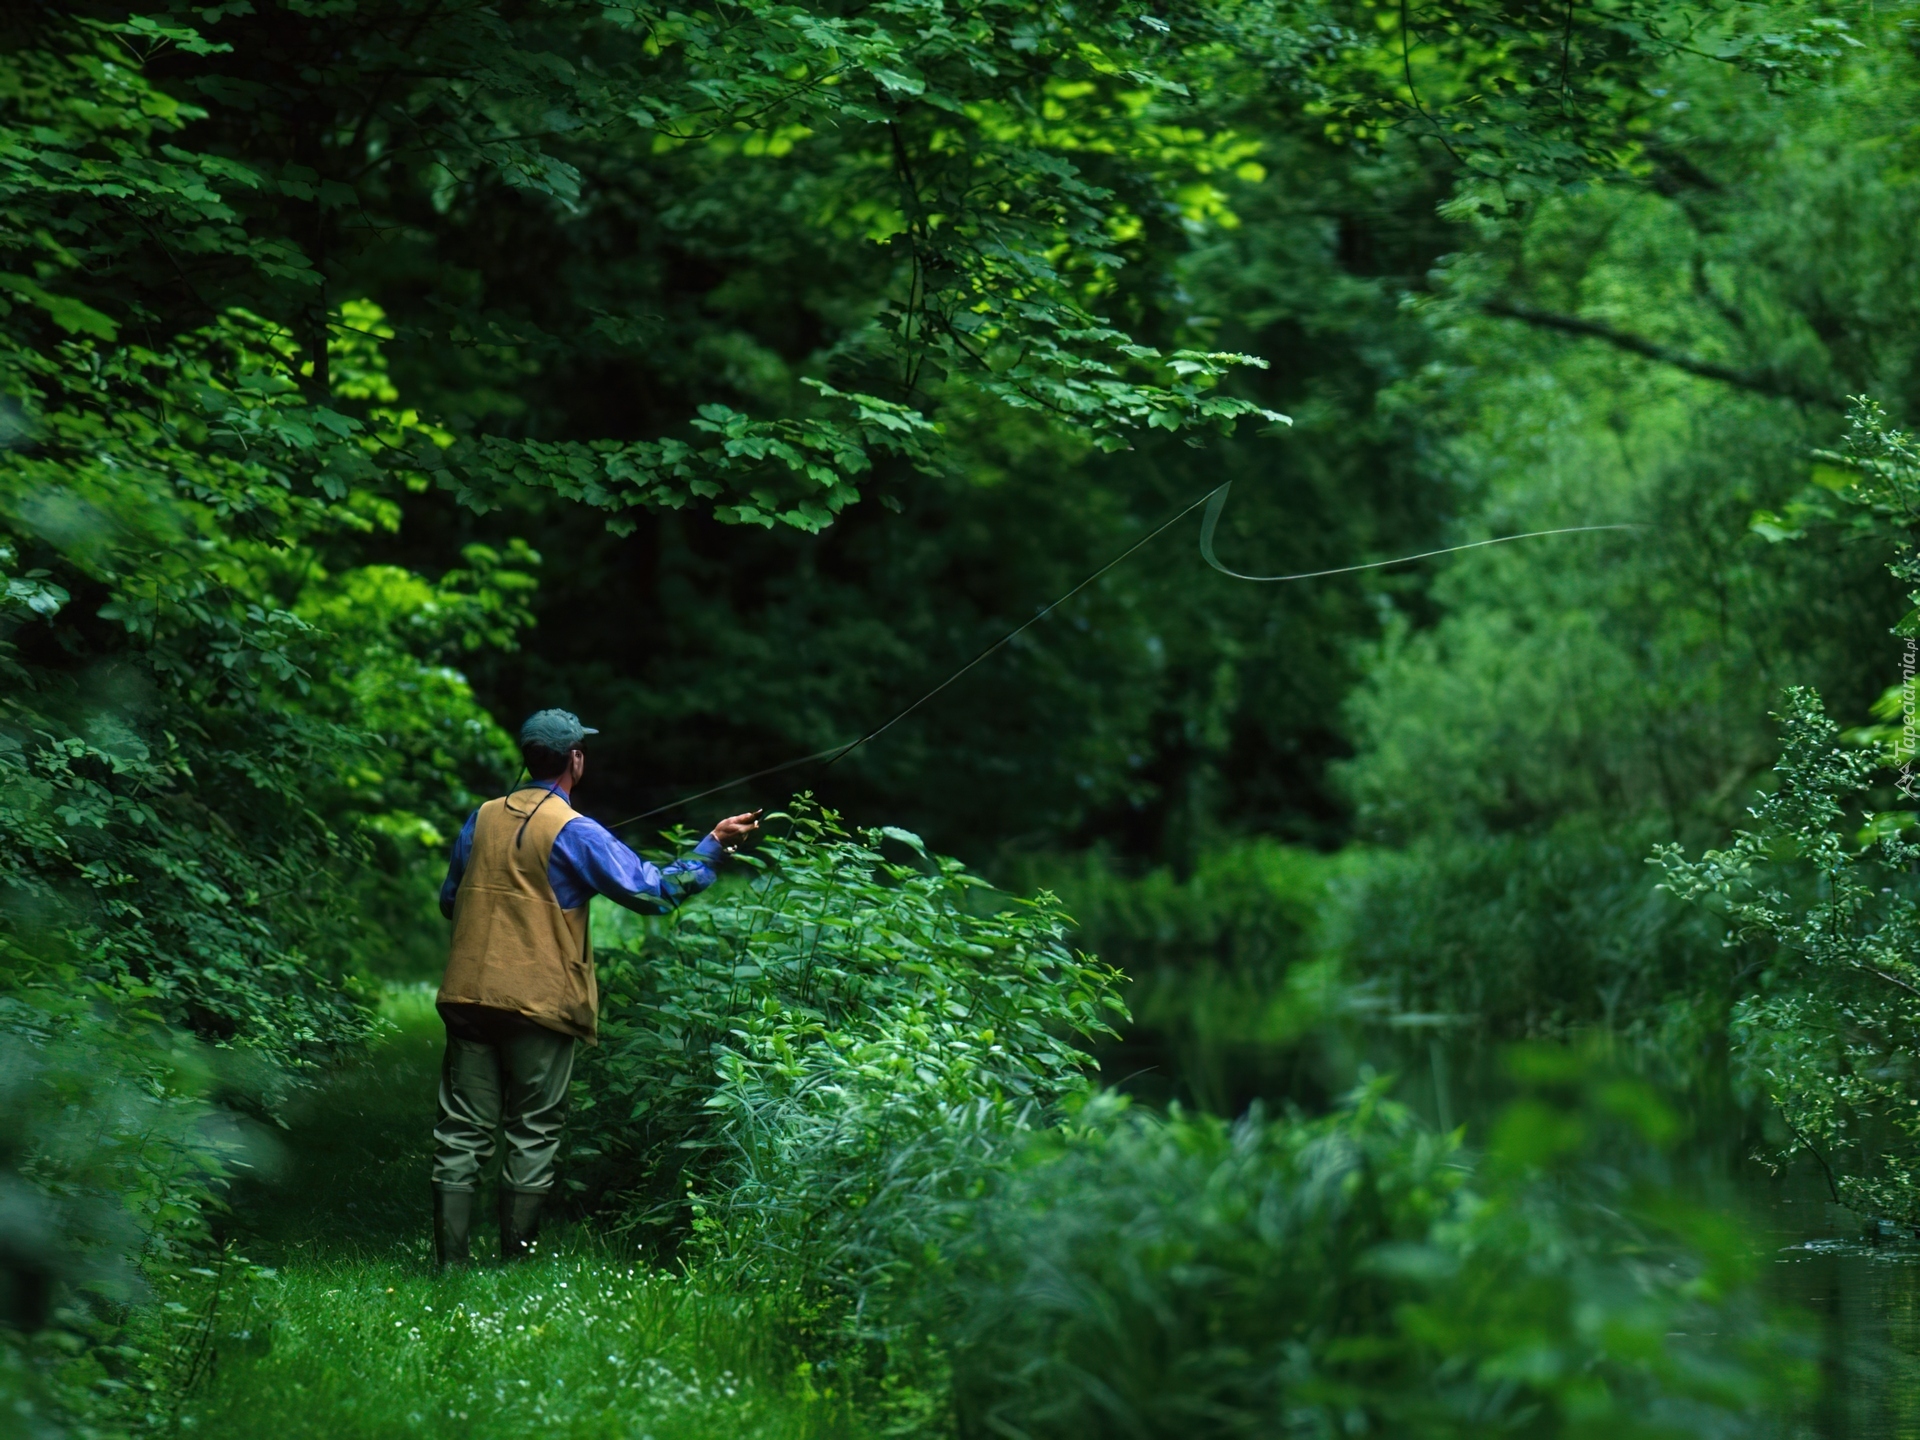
(588, 860)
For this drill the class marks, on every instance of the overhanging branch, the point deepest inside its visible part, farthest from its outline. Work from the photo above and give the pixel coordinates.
(1758, 382)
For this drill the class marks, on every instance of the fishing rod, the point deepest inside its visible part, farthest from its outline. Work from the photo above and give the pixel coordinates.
(1216, 501)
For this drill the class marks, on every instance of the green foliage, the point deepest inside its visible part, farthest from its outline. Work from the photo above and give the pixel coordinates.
(1677, 354)
(948, 167)
(136, 1185)
(307, 313)
(1526, 104)
(1560, 709)
(211, 846)
(225, 753)
(1824, 906)
(1361, 1274)
(1247, 908)
(1530, 935)
(795, 1056)
(1825, 1029)
(112, 1155)
(197, 762)
(192, 778)
(1227, 967)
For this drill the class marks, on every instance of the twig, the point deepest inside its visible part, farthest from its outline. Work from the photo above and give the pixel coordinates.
(1406, 68)
(1652, 350)
(1833, 1187)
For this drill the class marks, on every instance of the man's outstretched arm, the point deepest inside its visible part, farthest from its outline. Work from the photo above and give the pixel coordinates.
(588, 859)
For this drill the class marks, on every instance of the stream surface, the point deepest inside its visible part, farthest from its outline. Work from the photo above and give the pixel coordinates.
(1866, 1298)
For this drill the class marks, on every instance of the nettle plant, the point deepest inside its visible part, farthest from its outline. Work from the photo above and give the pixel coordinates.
(816, 1066)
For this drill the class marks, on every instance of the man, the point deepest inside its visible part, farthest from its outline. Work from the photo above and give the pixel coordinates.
(519, 989)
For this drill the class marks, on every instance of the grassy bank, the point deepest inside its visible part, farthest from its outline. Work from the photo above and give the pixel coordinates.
(352, 1335)
(578, 1345)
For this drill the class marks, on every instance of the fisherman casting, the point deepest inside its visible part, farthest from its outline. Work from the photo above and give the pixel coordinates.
(519, 989)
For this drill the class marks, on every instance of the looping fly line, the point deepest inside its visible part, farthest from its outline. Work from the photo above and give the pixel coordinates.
(1216, 501)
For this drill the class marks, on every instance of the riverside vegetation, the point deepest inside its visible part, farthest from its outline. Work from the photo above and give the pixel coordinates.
(1383, 983)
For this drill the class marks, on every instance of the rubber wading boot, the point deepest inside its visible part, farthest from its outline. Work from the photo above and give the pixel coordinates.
(519, 1222)
(452, 1227)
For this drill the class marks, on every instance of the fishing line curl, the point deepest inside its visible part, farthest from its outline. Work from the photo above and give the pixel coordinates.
(1216, 501)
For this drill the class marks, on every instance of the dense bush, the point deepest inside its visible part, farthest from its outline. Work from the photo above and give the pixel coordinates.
(113, 1155)
(1364, 1274)
(1826, 929)
(1817, 892)
(822, 1059)
(1525, 935)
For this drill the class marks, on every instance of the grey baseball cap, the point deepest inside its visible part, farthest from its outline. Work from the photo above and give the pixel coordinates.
(556, 730)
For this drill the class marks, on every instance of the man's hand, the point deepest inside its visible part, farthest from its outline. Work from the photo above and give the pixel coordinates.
(736, 830)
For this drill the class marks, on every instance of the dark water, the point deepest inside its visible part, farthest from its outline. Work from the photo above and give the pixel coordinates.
(1865, 1296)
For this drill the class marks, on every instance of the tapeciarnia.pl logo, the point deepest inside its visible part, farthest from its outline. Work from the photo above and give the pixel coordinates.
(1903, 751)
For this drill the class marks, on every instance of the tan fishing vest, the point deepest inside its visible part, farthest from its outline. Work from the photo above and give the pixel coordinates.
(513, 947)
